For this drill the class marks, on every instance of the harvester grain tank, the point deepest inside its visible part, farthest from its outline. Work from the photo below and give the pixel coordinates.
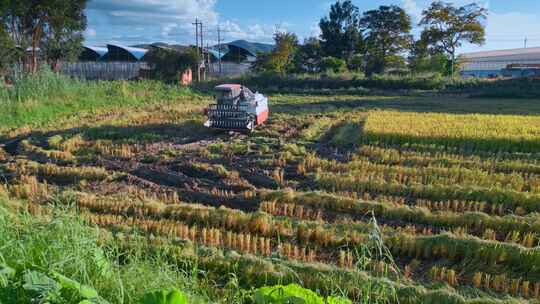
(237, 108)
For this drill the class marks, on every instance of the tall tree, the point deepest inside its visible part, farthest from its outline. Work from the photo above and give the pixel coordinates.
(63, 35)
(281, 59)
(46, 26)
(9, 53)
(167, 64)
(447, 27)
(423, 59)
(339, 30)
(387, 35)
(283, 55)
(308, 56)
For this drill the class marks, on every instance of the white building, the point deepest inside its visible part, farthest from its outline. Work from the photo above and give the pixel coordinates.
(507, 63)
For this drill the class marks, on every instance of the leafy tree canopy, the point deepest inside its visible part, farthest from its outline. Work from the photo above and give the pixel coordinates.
(169, 63)
(281, 59)
(447, 27)
(387, 34)
(339, 30)
(53, 27)
(308, 56)
(332, 64)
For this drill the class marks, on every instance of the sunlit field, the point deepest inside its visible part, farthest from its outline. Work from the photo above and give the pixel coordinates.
(416, 199)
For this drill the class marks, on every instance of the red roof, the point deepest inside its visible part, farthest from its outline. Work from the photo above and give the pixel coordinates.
(228, 86)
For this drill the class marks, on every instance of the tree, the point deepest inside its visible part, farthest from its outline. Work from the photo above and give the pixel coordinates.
(283, 55)
(423, 59)
(387, 35)
(53, 27)
(357, 63)
(332, 64)
(339, 31)
(447, 27)
(308, 56)
(63, 35)
(281, 59)
(9, 53)
(167, 64)
(262, 62)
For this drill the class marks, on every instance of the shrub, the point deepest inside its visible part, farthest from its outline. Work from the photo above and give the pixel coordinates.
(167, 64)
(332, 64)
(357, 63)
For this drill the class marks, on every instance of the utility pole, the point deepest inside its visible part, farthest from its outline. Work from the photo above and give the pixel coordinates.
(525, 43)
(198, 34)
(203, 53)
(219, 47)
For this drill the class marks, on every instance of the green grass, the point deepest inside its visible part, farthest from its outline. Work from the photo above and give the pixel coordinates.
(63, 243)
(120, 270)
(452, 180)
(37, 100)
(357, 84)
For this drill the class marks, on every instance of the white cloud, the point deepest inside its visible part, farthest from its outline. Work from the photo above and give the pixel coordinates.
(413, 9)
(158, 10)
(90, 32)
(168, 21)
(156, 19)
(255, 32)
(314, 30)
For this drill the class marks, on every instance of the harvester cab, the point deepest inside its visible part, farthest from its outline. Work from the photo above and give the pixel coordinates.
(237, 108)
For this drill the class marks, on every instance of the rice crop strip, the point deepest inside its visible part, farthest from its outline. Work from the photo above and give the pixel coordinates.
(490, 282)
(320, 235)
(466, 132)
(491, 163)
(473, 221)
(520, 202)
(427, 175)
(355, 284)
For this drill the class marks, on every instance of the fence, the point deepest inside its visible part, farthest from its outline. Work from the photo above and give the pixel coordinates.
(103, 70)
(131, 70)
(228, 69)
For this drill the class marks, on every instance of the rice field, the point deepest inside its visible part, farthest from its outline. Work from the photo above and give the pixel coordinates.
(378, 199)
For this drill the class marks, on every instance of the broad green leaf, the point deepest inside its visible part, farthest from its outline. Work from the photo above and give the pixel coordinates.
(103, 263)
(338, 300)
(85, 292)
(165, 297)
(6, 273)
(39, 283)
(94, 301)
(289, 294)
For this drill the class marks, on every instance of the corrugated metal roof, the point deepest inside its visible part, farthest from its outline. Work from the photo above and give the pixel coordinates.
(252, 47)
(498, 53)
(216, 52)
(136, 52)
(98, 49)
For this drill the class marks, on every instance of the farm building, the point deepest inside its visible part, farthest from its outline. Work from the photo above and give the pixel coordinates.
(93, 53)
(514, 63)
(241, 50)
(118, 52)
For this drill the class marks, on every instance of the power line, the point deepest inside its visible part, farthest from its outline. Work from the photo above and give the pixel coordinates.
(220, 38)
(199, 38)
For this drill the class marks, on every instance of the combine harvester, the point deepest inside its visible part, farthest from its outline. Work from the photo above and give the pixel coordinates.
(237, 109)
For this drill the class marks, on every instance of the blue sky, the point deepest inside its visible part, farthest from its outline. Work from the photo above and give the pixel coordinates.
(142, 21)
